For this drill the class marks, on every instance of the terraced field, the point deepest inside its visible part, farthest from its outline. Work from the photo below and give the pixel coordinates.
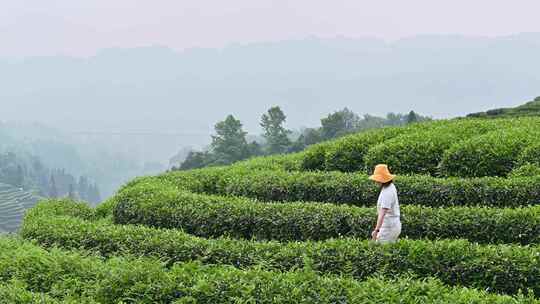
(13, 203)
(294, 228)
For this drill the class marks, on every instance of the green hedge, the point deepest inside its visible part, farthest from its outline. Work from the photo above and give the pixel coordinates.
(355, 189)
(411, 154)
(16, 293)
(288, 162)
(500, 268)
(130, 280)
(154, 204)
(346, 153)
(420, 152)
(530, 155)
(525, 171)
(493, 154)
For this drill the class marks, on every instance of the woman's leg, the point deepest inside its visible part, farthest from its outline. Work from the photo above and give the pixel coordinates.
(389, 234)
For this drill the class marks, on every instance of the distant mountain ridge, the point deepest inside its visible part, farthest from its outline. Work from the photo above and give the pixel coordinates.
(159, 89)
(531, 108)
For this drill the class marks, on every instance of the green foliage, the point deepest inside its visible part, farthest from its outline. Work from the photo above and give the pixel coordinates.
(339, 123)
(501, 268)
(16, 293)
(492, 154)
(420, 151)
(531, 108)
(73, 277)
(277, 137)
(525, 171)
(229, 144)
(530, 155)
(347, 153)
(152, 203)
(356, 189)
(462, 147)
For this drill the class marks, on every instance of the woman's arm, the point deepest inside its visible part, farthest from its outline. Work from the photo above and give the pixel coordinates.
(380, 219)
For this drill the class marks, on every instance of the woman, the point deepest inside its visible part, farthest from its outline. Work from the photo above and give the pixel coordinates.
(388, 225)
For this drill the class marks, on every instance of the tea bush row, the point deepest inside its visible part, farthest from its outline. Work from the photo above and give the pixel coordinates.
(346, 153)
(72, 275)
(163, 206)
(16, 293)
(421, 151)
(354, 188)
(493, 154)
(414, 149)
(498, 268)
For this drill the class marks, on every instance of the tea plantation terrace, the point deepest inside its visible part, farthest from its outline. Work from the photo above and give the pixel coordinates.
(294, 228)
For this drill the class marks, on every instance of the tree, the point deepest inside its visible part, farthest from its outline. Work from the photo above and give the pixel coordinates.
(254, 149)
(196, 160)
(53, 191)
(412, 117)
(276, 135)
(308, 137)
(339, 123)
(312, 136)
(229, 144)
(393, 119)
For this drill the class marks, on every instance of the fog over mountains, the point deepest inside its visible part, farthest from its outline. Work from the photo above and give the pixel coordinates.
(179, 95)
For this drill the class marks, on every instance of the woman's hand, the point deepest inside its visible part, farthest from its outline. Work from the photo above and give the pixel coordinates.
(374, 235)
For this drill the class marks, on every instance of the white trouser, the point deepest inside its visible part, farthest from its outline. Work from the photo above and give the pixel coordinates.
(389, 233)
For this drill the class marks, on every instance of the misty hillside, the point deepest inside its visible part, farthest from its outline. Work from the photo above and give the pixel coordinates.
(531, 108)
(160, 90)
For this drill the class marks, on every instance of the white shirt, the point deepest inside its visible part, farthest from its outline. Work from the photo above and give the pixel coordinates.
(388, 198)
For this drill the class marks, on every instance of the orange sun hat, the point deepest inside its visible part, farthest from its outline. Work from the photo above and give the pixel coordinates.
(381, 174)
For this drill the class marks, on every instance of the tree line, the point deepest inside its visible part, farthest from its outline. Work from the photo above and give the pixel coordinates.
(229, 143)
(28, 172)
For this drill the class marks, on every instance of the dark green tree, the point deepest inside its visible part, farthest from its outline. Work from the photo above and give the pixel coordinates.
(229, 144)
(255, 149)
(277, 137)
(412, 117)
(339, 123)
(196, 160)
(308, 137)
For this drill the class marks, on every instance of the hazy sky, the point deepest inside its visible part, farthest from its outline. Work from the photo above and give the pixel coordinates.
(81, 27)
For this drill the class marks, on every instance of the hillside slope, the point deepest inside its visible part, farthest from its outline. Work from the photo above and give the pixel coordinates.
(13, 203)
(531, 108)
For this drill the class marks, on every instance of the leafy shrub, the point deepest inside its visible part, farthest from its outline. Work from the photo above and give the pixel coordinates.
(500, 268)
(420, 152)
(525, 171)
(153, 204)
(314, 157)
(16, 293)
(347, 154)
(412, 154)
(146, 281)
(288, 162)
(530, 155)
(356, 189)
(493, 154)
